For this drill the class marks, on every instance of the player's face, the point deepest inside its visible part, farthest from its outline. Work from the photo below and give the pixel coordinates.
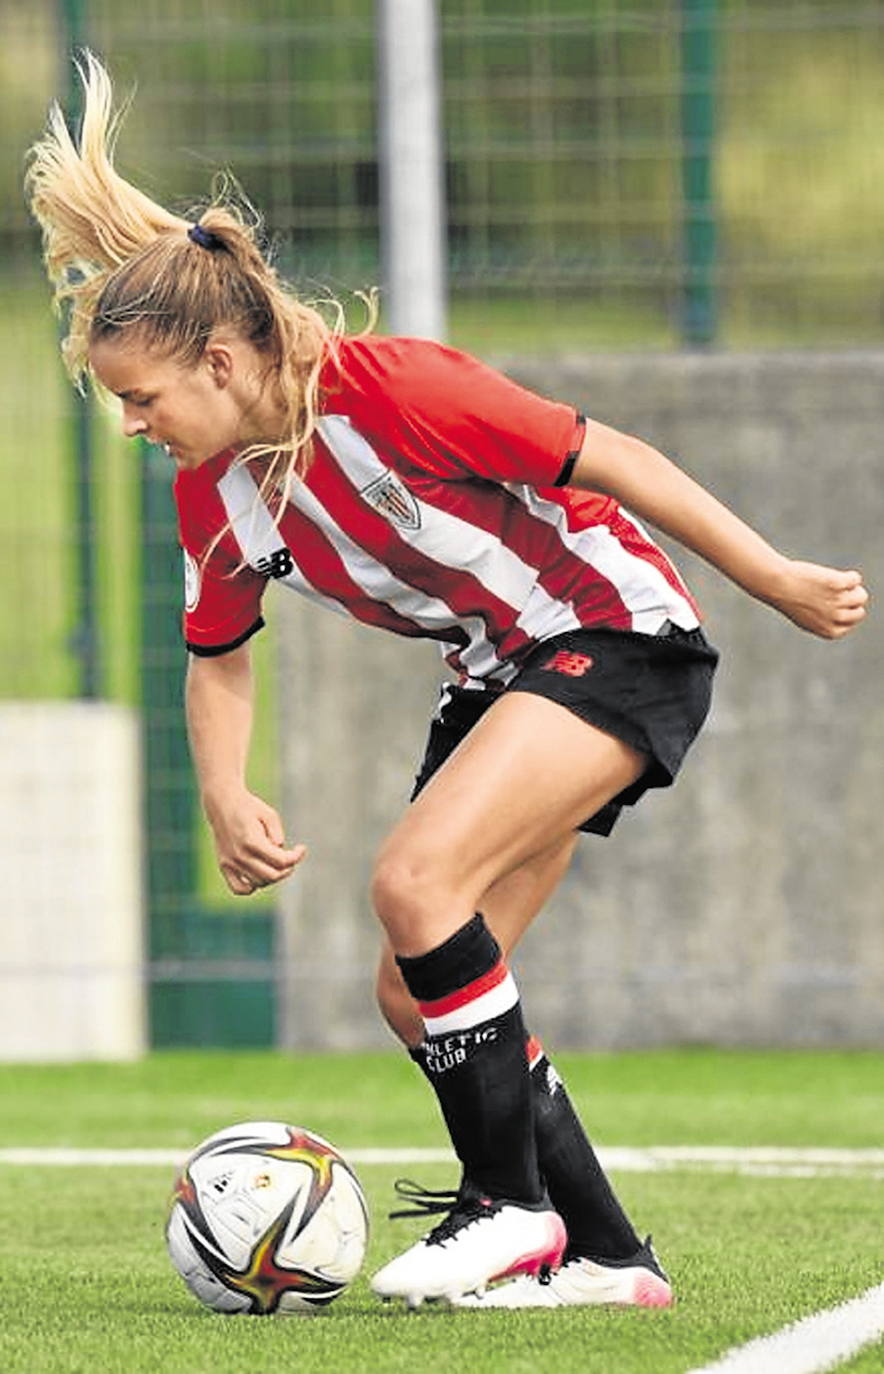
(194, 411)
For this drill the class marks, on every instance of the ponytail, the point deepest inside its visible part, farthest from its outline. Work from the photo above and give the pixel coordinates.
(120, 264)
(92, 220)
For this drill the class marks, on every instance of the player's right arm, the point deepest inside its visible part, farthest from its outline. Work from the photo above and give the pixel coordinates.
(249, 836)
(828, 602)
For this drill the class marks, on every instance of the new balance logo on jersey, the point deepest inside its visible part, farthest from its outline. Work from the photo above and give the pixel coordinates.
(572, 665)
(391, 498)
(279, 564)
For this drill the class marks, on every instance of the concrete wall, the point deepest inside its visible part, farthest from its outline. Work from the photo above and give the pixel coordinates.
(746, 905)
(71, 932)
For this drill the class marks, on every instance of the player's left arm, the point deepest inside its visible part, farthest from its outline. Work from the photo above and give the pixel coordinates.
(828, 602)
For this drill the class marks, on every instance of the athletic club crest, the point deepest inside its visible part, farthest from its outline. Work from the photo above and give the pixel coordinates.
(391, 497)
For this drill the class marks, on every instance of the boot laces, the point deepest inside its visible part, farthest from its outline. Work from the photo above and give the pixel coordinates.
(424, 1201)
(462, 1208)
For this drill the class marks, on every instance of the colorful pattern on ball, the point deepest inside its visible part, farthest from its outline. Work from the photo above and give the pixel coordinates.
(266, 1217)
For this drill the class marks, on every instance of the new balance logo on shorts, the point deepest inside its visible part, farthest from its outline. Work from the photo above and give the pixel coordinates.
(572, 665)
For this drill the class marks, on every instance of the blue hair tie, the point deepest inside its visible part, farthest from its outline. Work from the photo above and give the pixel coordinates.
(204, 237)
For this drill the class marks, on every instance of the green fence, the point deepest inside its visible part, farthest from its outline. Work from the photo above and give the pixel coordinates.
(619, 174)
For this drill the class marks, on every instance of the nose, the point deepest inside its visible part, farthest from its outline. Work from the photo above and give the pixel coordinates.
(133, 423)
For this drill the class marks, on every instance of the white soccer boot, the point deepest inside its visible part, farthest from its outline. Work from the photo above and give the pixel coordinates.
(480, 1240)
(635, 1282)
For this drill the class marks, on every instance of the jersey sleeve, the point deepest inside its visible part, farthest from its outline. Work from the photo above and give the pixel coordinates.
(222, 601)
(459, 417)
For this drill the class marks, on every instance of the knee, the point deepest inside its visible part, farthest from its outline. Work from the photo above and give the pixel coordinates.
(410, 892)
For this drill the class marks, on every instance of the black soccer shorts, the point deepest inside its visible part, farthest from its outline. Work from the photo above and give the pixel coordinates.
(651, 691)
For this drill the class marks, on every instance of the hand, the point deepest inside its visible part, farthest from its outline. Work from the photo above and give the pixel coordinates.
(250, 843)
(825, 601)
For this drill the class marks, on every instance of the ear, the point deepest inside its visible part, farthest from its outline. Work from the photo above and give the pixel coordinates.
(218, 358)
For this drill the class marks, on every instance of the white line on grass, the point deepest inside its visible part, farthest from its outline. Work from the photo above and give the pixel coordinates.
(757, 1161)
(812, 1345)
(61, 1156)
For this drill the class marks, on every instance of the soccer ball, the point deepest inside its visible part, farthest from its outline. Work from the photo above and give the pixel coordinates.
(267, 1218)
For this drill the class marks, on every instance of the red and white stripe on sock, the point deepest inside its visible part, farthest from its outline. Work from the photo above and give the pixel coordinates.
(533, 1051)
(484, 999)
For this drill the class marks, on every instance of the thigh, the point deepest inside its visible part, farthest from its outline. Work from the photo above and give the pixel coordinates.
(511, 904)
(523, 779)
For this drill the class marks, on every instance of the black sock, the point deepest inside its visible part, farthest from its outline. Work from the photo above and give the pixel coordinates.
(596, 1223)
(474, 1056)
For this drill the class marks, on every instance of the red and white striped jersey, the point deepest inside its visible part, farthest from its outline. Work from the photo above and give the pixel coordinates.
(431, 509)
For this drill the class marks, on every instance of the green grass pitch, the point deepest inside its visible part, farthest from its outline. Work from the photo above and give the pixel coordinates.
(85, 1284)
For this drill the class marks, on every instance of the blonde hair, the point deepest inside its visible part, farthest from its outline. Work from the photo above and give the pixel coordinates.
(122, 265)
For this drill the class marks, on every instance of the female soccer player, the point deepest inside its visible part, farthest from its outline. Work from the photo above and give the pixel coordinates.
(414, 488)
